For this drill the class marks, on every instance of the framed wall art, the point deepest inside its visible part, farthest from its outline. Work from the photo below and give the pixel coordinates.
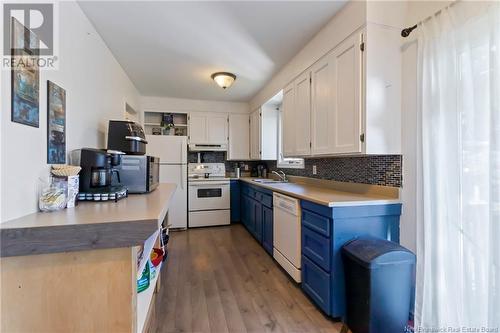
(25, 76)
(56, 124)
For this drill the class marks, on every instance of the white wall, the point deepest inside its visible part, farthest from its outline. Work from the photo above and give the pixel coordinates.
(170, 104)
(96, 91)
(351, 17)
(417, 11)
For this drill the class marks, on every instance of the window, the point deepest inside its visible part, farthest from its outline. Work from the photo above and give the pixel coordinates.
(286, 162)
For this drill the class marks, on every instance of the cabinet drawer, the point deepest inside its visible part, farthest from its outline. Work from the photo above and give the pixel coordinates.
(316, 247)
(316, 283)
(318, 223)
(266, 200)
(247, 190)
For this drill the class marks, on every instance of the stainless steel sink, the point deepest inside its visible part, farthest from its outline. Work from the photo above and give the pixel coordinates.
(269, 181)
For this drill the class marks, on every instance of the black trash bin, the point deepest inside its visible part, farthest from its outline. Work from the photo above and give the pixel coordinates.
(379, 277)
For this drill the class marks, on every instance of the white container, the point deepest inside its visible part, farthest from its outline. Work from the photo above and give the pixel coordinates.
(73, 185)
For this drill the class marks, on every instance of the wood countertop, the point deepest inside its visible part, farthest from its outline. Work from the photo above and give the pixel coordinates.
(90, 225)
(332, 194)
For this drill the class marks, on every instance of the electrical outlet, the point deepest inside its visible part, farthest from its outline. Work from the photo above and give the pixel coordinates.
(315, 170)
(246, 167)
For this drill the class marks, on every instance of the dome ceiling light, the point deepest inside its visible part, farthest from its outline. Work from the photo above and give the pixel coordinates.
(223, 79)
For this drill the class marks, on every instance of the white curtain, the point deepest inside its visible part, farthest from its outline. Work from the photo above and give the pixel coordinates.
(458, 209)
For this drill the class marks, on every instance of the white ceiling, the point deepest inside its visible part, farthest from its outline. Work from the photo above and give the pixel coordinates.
(171, 48)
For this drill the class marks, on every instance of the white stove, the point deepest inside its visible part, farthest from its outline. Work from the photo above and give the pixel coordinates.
(209, 195)
(206, 171)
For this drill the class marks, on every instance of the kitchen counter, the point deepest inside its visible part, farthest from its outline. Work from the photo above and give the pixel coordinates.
(331, 193)
(90, 225)
(83, 277)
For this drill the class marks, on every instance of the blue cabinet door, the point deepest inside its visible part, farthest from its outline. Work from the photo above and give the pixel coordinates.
(251, 216)
(316, 247)
(258, 221)
(267, 229)
(317, 284)
(245, 210)
(235, 201)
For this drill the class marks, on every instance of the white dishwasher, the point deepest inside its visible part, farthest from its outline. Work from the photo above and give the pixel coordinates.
(286, 243)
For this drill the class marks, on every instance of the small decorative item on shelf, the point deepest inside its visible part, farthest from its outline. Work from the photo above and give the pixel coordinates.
(168, 129)
(156, 131)
(167, 124)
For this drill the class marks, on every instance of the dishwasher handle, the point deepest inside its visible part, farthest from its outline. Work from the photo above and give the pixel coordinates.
(287, 204)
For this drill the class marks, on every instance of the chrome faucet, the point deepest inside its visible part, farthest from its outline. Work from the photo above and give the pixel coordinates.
(281, 175)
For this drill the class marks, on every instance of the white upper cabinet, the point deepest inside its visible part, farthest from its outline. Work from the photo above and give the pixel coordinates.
(208, 128)
(217, 128)
(382, 95)
(351, 104)
(289, 120)
(239, 137)
(198, 128)
(322, 106)
(255, 135)
(335, 100)
(303, 115)
(346, 111)
(297, 117)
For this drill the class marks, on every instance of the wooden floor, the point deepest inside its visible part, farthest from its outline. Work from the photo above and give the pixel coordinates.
(221, 280)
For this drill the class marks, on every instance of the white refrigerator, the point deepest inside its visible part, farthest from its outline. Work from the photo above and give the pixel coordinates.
(172, 151)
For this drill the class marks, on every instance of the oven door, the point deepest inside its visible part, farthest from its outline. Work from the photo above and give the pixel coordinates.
(208, 195)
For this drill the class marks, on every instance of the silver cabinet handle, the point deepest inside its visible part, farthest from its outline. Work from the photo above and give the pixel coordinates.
(209, 184)
(135, 138)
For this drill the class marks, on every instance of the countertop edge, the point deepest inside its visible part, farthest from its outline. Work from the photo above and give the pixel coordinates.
(70, 238)
(367, 202)
(33, 239)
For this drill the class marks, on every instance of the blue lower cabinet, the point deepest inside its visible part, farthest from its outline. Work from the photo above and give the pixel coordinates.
(324, 231)
(245, 210)
(316, 247)
(251, 215)
(316, 222)
(235, 201)
(257, 214)
(257, 206)
(267, 229)
(317, 284)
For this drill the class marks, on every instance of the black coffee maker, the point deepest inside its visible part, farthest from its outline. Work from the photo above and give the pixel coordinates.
(98, 168)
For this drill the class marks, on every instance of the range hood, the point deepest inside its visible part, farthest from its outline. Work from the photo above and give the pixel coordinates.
(207, 147)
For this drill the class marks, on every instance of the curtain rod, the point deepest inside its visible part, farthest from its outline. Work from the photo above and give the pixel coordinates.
(407, 31)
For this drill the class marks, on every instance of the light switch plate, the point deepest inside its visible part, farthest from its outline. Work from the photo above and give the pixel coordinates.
(315, 171)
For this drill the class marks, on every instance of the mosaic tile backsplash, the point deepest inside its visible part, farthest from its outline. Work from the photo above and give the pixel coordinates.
(383, 170)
